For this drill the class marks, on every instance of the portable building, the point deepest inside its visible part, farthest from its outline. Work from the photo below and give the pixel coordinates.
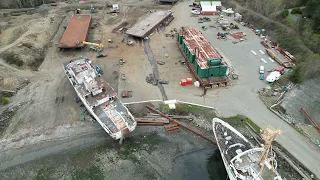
(217, 4)
(208, 10)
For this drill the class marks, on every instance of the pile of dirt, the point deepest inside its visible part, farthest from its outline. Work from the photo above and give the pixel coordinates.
(12, 84)
(31, 41)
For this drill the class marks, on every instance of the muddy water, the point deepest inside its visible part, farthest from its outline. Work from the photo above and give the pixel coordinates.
(204, 164)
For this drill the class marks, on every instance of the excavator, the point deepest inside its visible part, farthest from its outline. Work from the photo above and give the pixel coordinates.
(94, 46)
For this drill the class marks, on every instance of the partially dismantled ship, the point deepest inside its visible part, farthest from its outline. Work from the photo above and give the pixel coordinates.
(99, 98)
(244, 161)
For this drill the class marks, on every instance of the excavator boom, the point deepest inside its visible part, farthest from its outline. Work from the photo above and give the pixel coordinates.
(93, 44)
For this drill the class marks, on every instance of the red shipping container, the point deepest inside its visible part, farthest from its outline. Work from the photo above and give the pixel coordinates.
(209, 12)
(189, 80)
(183, 82)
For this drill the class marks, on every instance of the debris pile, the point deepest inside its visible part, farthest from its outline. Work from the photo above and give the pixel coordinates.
(233, 26)
(222, 35)
(151, 80)
(203, 19)
(239, 35)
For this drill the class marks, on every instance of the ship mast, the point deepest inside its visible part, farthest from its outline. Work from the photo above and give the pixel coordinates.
(269, 136)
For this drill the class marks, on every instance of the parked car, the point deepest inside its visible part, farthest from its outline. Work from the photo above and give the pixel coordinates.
(195, 12)
(261, 70)
(261, 77)
(274, 76)
(280, 69)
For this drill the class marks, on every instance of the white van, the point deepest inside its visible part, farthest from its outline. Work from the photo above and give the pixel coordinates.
(274, 76)
(261, 70)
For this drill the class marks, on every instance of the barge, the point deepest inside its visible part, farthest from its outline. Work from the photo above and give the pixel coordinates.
(203, 61)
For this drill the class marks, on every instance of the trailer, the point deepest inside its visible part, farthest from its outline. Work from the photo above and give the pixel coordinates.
(282, 60)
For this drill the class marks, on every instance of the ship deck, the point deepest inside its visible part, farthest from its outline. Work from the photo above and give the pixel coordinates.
(116, 109)
(105, 105)
(94, 100)
(231, 144)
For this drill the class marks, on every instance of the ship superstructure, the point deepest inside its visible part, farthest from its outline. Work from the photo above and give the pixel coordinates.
(99, 98)
(242, 160)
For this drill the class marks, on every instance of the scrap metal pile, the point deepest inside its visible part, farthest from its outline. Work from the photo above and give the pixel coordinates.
(175, 124)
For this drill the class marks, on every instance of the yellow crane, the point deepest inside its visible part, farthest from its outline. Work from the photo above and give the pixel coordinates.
(93, 46)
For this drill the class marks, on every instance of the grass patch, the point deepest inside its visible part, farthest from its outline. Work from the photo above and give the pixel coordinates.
(147, 143)
(241, 121)
(12, 58)
(86, 154)
(4, 100)
(290, 21)
(186, 109)
(92, 173)
(298, 130)
(44, 173)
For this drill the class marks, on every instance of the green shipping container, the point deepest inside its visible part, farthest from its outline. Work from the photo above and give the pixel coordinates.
(195, 65)
(181, 39)
(214, 71)
(214, 62)
(178, 37)
(202, 73)
(223, 70)
(193, 59)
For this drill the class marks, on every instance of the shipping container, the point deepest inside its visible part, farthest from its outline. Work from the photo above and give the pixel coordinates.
(214, 71)
(223, 70)
(203, 73)
(214, 62)
(193, 59)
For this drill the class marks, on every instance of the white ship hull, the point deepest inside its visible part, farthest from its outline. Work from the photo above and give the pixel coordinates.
(115, 134)
(231, 176)
(240, 158)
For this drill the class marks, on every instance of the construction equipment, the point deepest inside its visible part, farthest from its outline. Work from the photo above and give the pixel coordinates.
(77, 11)
(122, 62)
(91, 9)
(94, 46)
(130, 43)
(99, 70)
(101, 55)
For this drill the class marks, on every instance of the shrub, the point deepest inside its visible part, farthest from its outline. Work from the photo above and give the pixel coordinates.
(298, 74)
(4, 100)
(285, 13)
(12, 58)
(296, 11)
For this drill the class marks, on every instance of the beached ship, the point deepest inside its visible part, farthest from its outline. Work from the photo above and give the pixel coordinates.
(99, 97)
(241, 158)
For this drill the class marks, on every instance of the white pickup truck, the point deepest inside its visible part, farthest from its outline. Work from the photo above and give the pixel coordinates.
(195, 12)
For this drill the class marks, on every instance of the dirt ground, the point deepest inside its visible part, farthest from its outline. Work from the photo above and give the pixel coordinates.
(49, 95)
